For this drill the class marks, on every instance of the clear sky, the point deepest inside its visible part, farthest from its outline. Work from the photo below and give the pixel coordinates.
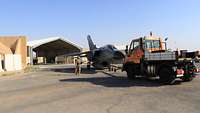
(108, 21)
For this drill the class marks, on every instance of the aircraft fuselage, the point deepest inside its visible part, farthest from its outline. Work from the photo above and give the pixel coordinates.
(104, 56)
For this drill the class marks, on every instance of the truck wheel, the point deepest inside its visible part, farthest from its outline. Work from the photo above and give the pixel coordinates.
(166, 75)
(130, 73)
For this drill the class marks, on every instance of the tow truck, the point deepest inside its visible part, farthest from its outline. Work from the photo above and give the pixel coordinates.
(149, 57)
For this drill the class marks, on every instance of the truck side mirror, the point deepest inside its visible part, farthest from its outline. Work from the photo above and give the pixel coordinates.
(126, 50)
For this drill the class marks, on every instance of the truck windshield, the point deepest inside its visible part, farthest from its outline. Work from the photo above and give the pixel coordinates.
(152, 44)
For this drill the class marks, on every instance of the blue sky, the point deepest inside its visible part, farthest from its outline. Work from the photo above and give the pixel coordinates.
(108, 21)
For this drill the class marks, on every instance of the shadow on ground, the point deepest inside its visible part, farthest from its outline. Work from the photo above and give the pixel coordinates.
(117, 81)
(71, 70)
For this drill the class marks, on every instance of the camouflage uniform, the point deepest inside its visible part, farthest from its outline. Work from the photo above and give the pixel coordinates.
(77, 66)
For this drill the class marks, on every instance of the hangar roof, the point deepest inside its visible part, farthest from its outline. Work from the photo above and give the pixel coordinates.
(36, 43)
(54, 45)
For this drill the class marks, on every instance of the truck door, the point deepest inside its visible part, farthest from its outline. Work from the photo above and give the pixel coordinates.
(135, 51)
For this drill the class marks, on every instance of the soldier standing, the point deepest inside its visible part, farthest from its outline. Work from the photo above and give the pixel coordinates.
(77, 66)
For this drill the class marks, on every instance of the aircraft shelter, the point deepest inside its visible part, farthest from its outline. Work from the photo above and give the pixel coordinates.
(47, 50)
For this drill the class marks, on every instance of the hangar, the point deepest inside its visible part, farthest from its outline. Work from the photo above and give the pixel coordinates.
(47, 50)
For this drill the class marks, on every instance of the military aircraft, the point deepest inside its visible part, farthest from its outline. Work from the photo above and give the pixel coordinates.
(102, 57)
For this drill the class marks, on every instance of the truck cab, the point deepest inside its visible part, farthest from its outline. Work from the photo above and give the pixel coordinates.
(138, 46)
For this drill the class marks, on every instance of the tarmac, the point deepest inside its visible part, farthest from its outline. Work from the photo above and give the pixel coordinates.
(56, 89)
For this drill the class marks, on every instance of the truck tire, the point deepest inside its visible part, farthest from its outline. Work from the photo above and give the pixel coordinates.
(166, 75)
(130, 73)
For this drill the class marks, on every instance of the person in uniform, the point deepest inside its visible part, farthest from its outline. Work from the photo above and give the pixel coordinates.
(77, 66)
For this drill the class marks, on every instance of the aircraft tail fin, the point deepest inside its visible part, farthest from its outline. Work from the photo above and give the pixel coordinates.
(92, 46)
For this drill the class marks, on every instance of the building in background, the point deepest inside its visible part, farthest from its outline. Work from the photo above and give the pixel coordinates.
(65, 59)
(49, 50)
(13, 53)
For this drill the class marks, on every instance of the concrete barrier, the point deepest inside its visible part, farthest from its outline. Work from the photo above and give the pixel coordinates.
(12, 62)
(17, 60)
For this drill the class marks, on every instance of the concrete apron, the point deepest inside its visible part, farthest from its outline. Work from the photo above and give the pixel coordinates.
(10, 73)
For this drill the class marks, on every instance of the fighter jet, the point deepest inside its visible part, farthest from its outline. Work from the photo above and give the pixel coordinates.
(102, 57)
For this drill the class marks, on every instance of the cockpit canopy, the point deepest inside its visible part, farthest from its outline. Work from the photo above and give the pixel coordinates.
(111, 47)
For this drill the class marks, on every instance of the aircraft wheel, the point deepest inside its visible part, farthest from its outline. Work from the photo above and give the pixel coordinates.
(88, 66)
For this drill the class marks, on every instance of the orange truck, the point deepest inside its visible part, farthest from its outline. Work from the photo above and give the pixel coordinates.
(149, 57)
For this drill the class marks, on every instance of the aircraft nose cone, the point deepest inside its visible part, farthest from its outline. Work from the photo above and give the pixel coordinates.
(118, 55)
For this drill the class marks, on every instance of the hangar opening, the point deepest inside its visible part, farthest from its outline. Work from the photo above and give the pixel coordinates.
(50, 50)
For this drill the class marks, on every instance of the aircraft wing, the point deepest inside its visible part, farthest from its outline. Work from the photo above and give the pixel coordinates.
(81, 54)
